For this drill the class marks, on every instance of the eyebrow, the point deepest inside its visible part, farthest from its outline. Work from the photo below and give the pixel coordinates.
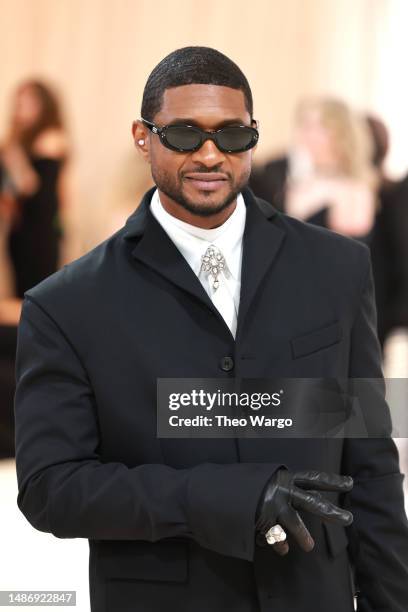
(189, 121)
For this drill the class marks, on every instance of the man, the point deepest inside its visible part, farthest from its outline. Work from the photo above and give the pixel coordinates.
(200, 524)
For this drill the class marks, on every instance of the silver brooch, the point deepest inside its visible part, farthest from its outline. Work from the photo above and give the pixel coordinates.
(213, 262)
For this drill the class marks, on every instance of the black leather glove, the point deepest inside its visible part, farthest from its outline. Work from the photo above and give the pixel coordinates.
(285, 493)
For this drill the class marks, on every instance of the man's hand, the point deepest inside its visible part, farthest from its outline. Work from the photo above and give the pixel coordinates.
(284, 495)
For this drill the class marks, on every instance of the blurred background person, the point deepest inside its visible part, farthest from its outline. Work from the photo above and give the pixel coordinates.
(332, 180)
(328, 177)
(32, 157)
(334, 176)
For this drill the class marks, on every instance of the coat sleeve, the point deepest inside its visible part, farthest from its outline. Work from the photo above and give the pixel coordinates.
(379, 533)
(65, 489)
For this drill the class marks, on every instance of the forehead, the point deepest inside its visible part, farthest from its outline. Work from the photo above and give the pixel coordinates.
(207, 105)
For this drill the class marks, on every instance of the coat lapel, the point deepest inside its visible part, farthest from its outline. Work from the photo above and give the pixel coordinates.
(261, 243)
(156, 250)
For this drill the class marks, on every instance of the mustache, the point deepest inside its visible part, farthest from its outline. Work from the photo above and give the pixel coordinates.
(214, 169)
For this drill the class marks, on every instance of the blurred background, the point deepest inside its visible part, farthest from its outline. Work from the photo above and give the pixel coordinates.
(331, 100)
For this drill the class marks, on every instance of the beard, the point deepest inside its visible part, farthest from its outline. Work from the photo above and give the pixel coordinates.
(207, 203)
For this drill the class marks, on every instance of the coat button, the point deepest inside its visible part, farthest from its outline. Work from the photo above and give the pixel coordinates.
(227, 364)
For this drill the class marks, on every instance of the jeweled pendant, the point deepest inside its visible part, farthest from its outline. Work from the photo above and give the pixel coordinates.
(213, 262)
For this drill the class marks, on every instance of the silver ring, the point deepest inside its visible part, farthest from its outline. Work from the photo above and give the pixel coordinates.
(275, 534)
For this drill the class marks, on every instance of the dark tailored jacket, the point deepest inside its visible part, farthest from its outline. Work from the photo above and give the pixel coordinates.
(170, 522)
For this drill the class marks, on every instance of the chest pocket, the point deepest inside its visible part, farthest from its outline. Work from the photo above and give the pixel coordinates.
(316, 340)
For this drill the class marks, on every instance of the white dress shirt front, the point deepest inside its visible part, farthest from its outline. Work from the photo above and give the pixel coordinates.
(193, 241)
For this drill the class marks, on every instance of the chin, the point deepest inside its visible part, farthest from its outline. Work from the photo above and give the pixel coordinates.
(206, 207)
(208, 200)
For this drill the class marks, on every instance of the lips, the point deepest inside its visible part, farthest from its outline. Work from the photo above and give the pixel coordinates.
(208, 181)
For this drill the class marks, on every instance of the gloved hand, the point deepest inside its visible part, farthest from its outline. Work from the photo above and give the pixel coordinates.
(284, 494)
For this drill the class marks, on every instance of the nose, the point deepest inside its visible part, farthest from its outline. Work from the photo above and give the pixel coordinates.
(208, 154)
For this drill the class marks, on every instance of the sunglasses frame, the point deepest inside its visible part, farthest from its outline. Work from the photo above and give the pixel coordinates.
(204, 135)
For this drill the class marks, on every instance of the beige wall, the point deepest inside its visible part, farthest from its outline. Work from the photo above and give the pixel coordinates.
(100, 52)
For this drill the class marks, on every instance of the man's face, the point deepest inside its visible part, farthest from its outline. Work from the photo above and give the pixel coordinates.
(206, 181)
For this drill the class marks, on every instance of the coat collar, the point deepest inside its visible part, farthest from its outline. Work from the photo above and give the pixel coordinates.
(261, 243)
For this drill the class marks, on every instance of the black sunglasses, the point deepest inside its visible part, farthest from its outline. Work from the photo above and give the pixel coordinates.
(182, 138)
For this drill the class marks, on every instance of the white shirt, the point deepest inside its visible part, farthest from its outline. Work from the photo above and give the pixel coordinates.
(193, 241)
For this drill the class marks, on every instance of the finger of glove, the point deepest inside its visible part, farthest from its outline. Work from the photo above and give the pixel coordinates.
(281, 548)
(291, 520)
(316, 504)
(323, 481)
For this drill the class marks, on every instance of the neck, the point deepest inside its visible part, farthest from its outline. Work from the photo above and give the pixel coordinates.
(207, 222)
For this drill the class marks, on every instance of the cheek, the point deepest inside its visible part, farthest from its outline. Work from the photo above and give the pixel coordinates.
(241, 165)
(166, 162)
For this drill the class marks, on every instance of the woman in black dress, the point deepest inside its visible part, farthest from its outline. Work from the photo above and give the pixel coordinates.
(33, 161)
(32, 158)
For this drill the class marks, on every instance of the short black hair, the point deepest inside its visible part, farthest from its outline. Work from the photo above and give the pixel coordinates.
(192, 65)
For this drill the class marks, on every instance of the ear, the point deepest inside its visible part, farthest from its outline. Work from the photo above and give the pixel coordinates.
(141, 136)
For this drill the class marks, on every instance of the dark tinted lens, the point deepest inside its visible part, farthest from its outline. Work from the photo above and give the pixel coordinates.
(182, 137)
(236, 138)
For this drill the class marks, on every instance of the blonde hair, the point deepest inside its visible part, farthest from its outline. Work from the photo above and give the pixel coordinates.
(351, 137)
